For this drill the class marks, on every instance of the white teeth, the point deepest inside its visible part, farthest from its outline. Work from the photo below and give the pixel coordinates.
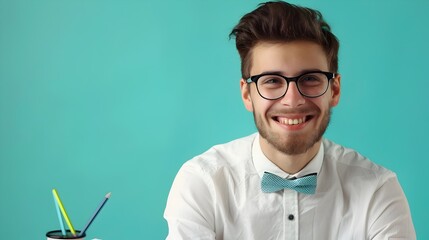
(289, 121)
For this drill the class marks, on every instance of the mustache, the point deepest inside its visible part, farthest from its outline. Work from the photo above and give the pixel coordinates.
(303, 110)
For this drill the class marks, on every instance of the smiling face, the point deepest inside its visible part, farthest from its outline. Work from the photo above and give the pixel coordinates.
(293, 124)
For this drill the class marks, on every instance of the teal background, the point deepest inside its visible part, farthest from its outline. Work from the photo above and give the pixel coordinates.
(102, 96)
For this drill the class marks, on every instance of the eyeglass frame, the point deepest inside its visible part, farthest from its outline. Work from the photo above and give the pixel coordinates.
(255, 78)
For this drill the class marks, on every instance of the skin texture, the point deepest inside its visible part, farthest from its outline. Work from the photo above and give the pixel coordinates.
(290, 147)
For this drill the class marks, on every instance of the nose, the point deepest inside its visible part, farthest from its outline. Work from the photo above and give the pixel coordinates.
(293, 97)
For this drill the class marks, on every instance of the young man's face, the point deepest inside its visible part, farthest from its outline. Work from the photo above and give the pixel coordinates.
(276, 119)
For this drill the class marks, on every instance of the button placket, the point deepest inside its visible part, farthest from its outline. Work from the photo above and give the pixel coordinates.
(290, 206)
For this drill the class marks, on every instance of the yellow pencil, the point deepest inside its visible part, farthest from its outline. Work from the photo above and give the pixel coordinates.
(63, 211)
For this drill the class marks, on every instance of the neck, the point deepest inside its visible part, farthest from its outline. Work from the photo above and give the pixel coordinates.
(290, 164)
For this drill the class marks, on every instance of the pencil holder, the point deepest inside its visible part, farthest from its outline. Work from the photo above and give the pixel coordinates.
(57, 234)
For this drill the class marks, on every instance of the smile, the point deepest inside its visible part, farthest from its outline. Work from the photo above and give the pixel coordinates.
(292, 121)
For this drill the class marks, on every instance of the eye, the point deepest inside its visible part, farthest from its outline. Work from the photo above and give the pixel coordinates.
(311, 79)
(271, 81)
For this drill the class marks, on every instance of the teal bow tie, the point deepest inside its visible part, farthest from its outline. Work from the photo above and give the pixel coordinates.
(273, 183)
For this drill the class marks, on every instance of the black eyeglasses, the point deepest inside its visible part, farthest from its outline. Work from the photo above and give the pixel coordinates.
(272, 86)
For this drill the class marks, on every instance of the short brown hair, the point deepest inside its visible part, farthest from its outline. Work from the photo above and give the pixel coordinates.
(283, 22)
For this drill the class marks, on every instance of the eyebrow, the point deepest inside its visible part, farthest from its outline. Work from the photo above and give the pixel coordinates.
(300, 73)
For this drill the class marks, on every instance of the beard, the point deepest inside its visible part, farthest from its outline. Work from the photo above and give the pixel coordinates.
(295, 143)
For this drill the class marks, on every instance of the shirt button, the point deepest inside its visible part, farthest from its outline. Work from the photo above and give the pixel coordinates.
(291, 217)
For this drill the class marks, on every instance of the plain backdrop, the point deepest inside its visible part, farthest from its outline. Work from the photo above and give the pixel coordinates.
(102, 96)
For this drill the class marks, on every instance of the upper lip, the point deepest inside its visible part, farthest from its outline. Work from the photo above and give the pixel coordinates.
(291, 115)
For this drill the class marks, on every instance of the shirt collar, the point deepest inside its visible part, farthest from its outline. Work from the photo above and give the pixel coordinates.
(263, 164)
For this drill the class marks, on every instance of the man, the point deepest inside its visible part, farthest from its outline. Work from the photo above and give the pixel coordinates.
(286, 181)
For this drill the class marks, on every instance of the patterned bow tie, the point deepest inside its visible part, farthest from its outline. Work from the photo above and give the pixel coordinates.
(273, 183)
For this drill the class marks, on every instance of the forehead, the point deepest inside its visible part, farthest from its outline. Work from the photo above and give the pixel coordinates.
(291, 58)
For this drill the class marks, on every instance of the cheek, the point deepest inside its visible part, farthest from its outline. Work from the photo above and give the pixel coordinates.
(262, 106)
(321, 104)
(328, 100)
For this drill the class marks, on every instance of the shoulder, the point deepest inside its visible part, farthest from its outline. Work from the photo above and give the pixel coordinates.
(372, 192)
(351, 165)
(227, 156)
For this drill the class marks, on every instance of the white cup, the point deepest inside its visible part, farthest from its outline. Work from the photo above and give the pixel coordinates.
(57, 234)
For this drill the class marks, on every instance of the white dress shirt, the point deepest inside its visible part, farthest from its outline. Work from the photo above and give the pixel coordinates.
(217, 195)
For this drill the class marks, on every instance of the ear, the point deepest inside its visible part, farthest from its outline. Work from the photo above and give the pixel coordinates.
(245, 95)
(336, 90)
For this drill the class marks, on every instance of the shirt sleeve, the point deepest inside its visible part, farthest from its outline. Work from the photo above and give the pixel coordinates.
(190, 206)
(389, 213)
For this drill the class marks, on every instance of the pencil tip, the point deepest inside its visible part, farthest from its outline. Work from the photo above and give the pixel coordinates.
(108, 195)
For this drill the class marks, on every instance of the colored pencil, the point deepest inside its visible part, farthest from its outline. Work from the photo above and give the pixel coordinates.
(60, 219)
(95, 214)
(63, 211)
